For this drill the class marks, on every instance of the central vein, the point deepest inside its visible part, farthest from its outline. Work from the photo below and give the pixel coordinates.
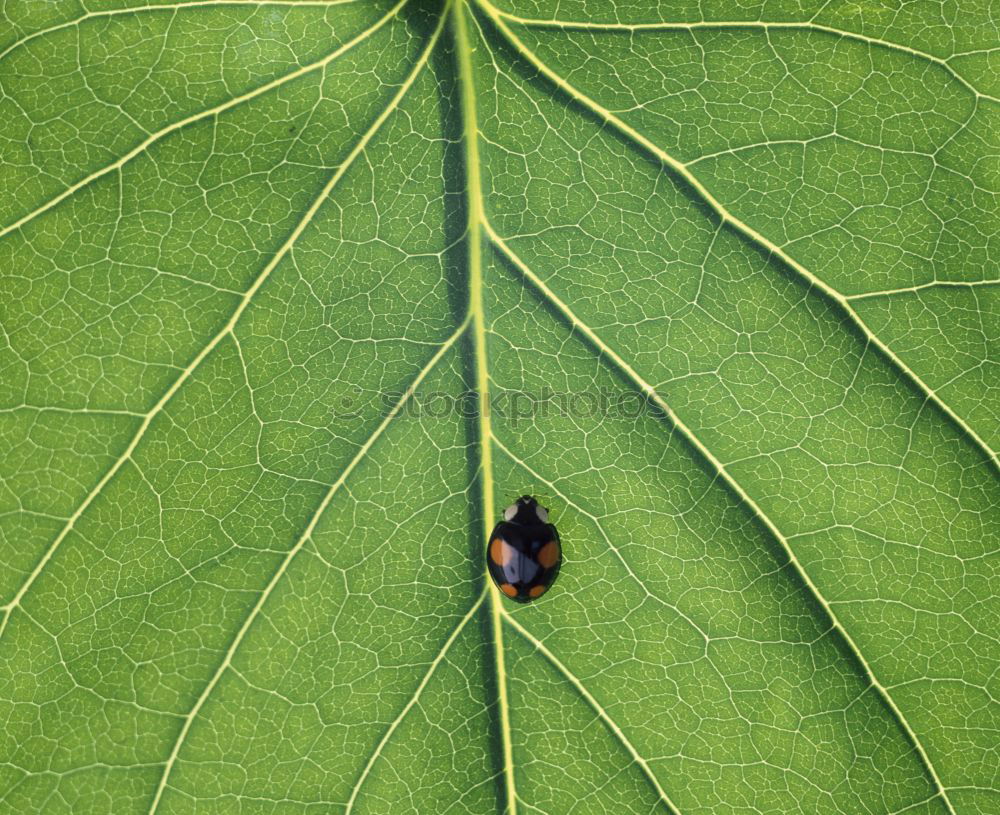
(474, 234)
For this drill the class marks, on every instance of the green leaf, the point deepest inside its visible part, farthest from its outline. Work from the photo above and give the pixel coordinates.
(297, 295)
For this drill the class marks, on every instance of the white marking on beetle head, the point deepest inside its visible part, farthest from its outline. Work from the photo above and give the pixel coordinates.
(543, 513)
(510, 512)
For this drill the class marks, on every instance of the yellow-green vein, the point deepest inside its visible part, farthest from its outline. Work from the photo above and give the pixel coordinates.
(114, 12)
(933, 284)
(474, 227)
(786, 25)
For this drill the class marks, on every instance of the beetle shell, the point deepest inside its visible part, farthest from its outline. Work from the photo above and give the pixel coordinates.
(523, 554)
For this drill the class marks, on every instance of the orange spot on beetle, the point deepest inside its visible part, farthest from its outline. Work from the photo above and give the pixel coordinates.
(508, 589)
(496, 551)
(536, 591)
(548, 555)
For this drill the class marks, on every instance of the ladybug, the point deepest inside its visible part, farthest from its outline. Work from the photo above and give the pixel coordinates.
(523, 554)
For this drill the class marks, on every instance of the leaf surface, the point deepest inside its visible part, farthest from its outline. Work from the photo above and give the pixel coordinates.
(296, 296)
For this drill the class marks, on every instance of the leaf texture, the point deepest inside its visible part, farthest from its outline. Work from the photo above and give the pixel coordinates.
(279, 281)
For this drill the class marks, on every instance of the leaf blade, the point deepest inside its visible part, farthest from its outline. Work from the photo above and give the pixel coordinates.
(271, 544)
